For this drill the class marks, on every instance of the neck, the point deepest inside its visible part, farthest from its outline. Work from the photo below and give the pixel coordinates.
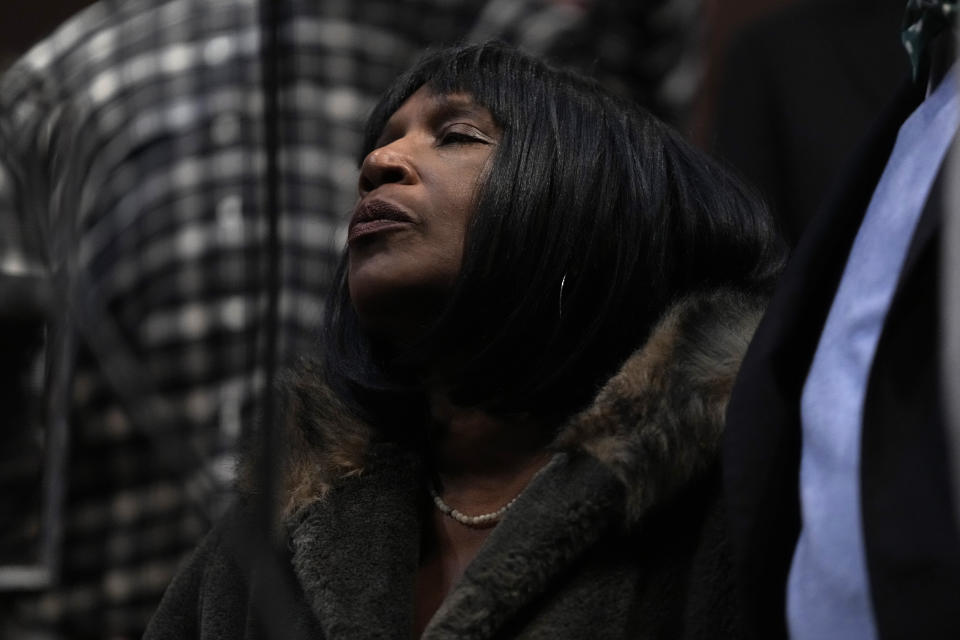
(483, 461)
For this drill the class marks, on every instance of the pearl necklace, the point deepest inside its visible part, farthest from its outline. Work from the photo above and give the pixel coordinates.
(477, 522)
(484, 519)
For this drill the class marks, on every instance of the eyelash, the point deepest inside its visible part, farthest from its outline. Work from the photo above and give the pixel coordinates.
(457, 137)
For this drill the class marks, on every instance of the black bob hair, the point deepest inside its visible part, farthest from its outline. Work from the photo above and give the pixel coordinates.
(593, 218)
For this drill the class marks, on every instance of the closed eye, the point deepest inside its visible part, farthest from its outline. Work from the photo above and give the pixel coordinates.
(461, 134)
(457, 138)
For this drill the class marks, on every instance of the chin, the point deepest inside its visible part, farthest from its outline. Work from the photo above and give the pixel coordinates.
(396, 316)
(396, 300)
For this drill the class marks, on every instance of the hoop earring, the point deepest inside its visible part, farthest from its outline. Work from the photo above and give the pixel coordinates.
(563, 281)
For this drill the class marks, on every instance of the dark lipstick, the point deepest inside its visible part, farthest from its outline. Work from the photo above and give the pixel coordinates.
(374, 216)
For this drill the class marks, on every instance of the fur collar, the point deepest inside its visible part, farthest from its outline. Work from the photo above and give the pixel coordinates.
(658, 422)
(654, 425)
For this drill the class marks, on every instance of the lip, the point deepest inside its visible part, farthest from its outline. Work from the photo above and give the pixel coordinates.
(376, 216)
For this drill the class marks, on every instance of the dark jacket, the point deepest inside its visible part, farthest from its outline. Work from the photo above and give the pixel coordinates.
(910, 536)
(622, 536)
(800, 88)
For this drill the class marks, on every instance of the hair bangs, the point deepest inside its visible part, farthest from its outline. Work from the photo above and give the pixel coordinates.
(491, 74)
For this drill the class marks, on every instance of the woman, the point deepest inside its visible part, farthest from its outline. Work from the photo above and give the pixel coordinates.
(513, 428)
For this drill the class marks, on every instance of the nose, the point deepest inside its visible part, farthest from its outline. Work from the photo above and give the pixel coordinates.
(383, 165)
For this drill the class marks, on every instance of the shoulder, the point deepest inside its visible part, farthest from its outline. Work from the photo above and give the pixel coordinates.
(211, 586)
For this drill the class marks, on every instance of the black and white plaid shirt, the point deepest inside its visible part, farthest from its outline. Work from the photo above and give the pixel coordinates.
(132, 179)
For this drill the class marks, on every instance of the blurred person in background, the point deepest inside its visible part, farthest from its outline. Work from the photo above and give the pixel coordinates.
(133, 251)
(837, 458)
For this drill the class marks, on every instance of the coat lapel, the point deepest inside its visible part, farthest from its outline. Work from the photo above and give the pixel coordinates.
(355, 553)
(557, 518)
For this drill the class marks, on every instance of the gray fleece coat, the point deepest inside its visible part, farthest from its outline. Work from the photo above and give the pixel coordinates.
(621, 537)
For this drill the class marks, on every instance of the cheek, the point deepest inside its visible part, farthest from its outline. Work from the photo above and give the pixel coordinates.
(458, 208)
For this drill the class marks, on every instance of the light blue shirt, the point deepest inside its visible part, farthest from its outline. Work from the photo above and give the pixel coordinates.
(828, 592)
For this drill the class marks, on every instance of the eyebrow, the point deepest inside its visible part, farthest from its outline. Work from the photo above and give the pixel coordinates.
(449, 106)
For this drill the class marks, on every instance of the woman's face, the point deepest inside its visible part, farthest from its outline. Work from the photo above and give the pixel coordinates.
(417, 194)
